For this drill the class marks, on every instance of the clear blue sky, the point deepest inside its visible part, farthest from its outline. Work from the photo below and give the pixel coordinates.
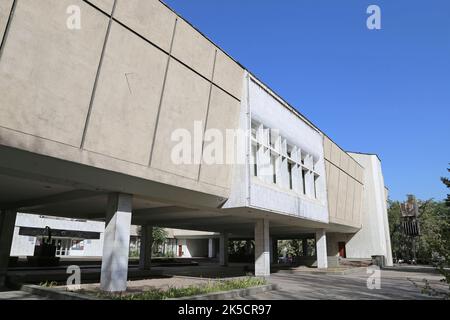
(384, 91)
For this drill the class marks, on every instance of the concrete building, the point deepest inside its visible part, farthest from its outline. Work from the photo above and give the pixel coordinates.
(94, 123)
(191, 244)
(72, 237)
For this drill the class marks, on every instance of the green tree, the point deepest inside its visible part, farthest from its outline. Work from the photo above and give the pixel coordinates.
(433, 221)
(159, 238)
(446, 181)
(441, 242)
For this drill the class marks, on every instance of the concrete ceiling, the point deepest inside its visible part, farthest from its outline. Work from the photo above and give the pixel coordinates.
(44, 198)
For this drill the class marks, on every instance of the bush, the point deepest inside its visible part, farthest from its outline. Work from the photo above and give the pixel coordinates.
(212, 286)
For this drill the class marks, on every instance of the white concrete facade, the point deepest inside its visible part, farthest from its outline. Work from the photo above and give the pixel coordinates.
(24, 245)
(373, 238)
(285, 170)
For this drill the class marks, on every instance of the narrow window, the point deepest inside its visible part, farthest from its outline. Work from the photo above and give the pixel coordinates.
(303, 180)
(254, 129)
(273, 166)
(253, 160)
(290, 174)
(315, 185)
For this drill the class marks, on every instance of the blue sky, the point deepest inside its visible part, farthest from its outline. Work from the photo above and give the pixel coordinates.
(381, 91)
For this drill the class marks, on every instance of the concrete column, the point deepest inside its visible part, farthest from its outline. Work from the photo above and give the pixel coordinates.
(262, 248)
(305, 247)
(211, 249)
(116, 243)
(274, 257)
(7, 225)
(223, 249)
(271, 249)
(145, 255)
(321, 249)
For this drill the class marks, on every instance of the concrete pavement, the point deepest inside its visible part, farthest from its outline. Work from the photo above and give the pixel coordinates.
(19, 295)
(395, 285)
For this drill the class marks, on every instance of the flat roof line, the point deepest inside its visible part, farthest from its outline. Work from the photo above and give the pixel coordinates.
(366, 154)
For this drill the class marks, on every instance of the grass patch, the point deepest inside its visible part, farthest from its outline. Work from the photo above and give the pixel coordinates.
(210, 287)
(48, 284)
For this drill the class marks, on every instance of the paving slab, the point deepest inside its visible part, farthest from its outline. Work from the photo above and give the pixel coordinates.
(19, 295)
(395, 285)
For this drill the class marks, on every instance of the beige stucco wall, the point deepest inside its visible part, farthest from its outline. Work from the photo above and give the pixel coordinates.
(5, 9)
(160, 76)
(344, 185)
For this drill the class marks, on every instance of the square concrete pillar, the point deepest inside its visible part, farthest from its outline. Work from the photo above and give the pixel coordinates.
(305, 247)
(7, 225)
(262, 248)
(321, 249)
(145, 253)
(116, 243)
(211, 249)
(271, 249)
(223, 249)
(274, 251)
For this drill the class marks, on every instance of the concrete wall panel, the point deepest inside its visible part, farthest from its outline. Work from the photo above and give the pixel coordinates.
(359, 173)
(185, 101)
(150, 18)
(105, 5)
(352, 167)
(5, 9)
(357, 203)
(228, 74)
(327, 145)
(343, 164)
(123, 115)
(333, 188)
(223, 114)
(53, 68)
(194, 49)
(342, 195)
(349, 203)
(335, 154)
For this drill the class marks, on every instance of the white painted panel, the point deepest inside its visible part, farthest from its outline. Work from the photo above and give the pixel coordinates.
(265, 197)
(270, 112)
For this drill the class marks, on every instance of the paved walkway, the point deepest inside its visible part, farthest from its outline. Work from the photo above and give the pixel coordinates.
(19, 295)
(395, 284)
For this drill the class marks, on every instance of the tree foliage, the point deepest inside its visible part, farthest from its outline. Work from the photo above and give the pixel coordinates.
(434, 240)
(446, 181)
(159, 237)
(433, 244)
